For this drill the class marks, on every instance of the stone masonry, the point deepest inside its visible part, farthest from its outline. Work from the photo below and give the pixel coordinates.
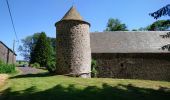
(150, 66)
(131, 55)
(6, 54)
(73, 46)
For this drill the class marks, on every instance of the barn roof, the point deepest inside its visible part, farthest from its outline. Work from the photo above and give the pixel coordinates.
(128, 42)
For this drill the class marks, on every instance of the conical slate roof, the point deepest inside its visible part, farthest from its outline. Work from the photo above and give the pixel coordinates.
(72, 14)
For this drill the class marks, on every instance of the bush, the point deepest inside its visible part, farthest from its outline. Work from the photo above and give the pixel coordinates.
(93, 68)
(51, 66)
(35, 65)
(7, 68)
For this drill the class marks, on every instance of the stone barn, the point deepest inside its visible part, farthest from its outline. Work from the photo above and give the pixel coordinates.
(134, 55)
(6, 54)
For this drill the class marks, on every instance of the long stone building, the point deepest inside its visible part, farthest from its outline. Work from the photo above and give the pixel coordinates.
(6, 54)
(135, 55)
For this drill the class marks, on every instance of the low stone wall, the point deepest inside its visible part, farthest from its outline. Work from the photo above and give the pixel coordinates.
(150, 66)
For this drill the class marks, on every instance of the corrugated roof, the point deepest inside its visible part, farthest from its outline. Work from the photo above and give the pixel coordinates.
(128, 42)
(72, 14)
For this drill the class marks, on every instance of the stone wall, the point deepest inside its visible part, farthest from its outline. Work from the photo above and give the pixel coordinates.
(6, 55)
(73, 48)
(3, 53)
(151, 66)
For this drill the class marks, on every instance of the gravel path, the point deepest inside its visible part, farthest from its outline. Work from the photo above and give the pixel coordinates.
(29, 70)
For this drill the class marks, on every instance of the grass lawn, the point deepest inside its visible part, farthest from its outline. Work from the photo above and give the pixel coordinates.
(49, 87)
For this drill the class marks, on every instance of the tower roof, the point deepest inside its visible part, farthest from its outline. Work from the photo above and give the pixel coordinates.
(72, 14)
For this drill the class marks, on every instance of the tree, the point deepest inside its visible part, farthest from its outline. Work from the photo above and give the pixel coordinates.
(143, 29)
(134, 30)
(161, 12)
(42, 51)
(53, 44)
(115, 25)
(160, 25)
(27, 46)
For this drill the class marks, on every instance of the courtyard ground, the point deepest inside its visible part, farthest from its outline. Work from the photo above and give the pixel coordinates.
(44, 86)
(29, 70)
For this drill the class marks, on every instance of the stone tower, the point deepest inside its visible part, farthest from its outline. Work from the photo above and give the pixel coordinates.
(73, 54)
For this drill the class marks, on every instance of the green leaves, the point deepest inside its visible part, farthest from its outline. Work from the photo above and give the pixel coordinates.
(160, 25)
(115, 25)
(42, 52)
(161, 12)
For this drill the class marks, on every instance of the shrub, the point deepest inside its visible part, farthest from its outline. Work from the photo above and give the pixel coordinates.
(35, 65)
(7, 68)
(93, 68)
(51, 66)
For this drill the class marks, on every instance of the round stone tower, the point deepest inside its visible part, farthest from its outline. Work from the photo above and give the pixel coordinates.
(73, 53)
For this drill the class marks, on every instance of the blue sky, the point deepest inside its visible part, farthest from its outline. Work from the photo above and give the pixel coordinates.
(31, 16)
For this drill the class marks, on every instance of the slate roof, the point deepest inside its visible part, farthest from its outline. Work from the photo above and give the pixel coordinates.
(128, 42)
(72, 14)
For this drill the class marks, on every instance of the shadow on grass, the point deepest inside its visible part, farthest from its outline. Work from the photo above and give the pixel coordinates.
(106, 92)
(44, 74)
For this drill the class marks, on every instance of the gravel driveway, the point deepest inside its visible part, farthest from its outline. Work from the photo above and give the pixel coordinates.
(29, 70)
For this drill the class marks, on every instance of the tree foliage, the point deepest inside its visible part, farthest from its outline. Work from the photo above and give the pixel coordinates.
(160, 25)
(42, 51)
(29, 43)
(161, 12)
(167, 46)
(115, 25)
(27, 46)
(143, 29)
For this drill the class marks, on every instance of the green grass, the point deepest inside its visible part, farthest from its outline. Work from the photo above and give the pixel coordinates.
(49, 87)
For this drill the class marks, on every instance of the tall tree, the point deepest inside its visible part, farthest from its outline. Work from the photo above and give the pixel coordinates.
(161, 12)
(27, 46)
(53, 44)
(42, 52)
(115, 25)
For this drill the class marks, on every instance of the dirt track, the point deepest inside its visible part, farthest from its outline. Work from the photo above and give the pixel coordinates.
(3, 77)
